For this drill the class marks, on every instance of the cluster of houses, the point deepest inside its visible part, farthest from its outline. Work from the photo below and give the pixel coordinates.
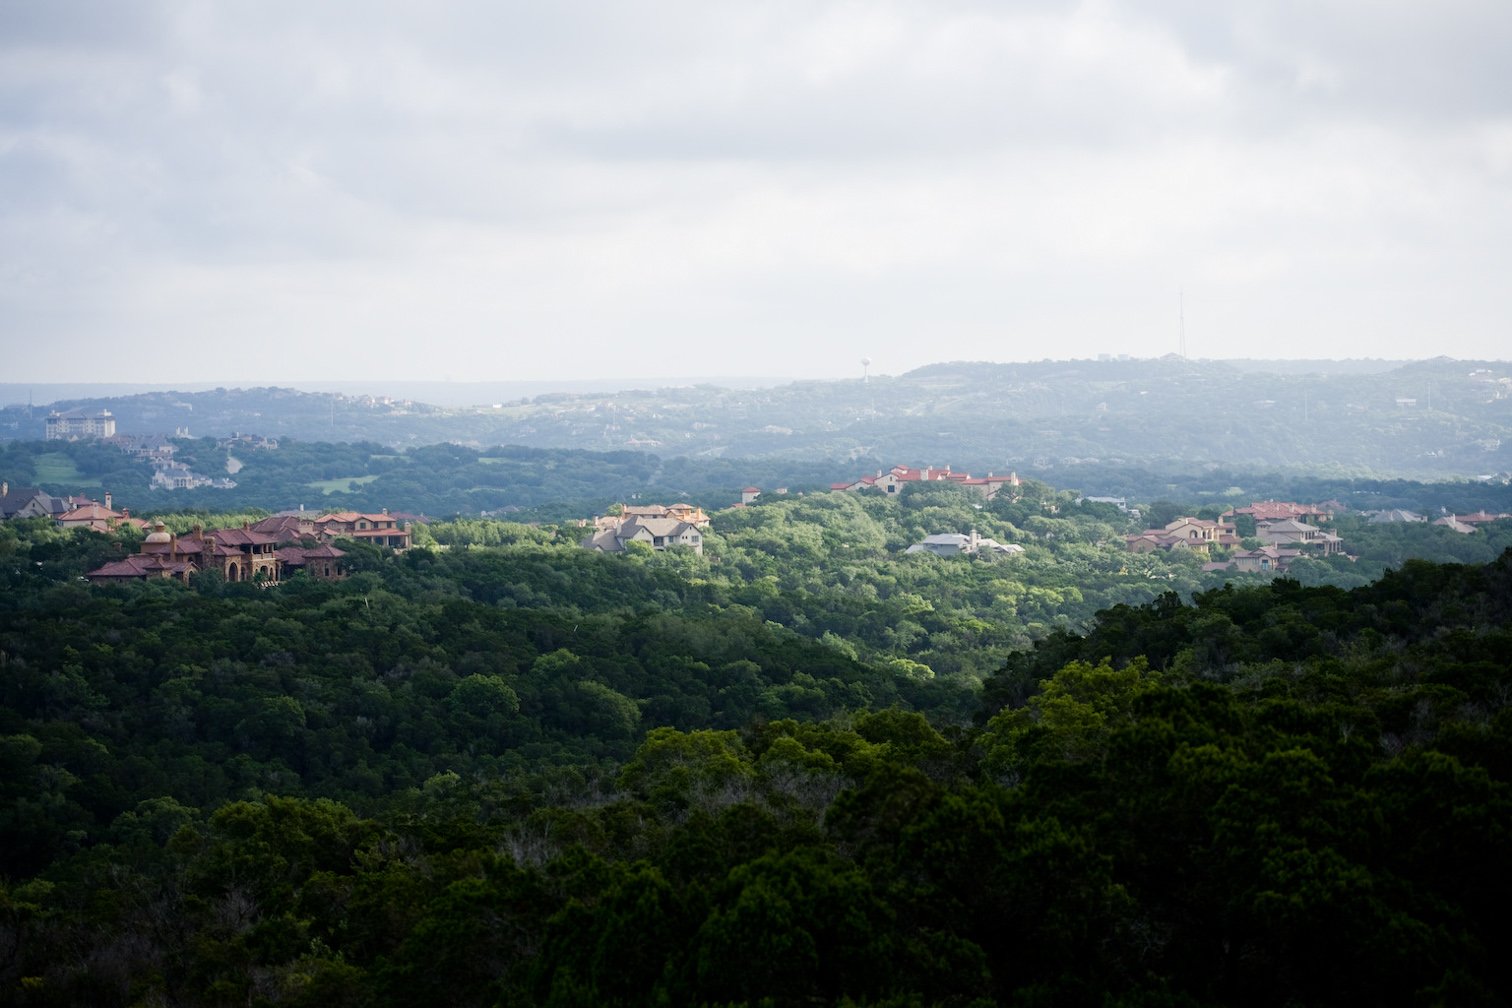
(265, 552)
(1281, 526)
(244, 554)
(154, 449)
(167, 472)
(70, 510)
(1463, 524)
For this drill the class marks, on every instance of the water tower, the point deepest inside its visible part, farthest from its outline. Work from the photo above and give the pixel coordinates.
(865, 363)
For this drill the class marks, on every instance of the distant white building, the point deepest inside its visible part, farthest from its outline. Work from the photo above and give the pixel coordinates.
(77, 424)
(955, 544)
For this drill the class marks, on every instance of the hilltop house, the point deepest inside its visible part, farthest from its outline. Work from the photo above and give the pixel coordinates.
(170, 475)
(955, 544)
(689, 513)
(1479, 518)
(379, 529)
(1263, 511)
(1266, 559)
(29, 502)
(1394, 515)
(658, 533)
(100, 517)
(1194, 534)
(236, 554)
(1289, 531)
(898, 476)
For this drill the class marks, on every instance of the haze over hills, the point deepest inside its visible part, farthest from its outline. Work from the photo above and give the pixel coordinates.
(1433, 418)
(439, 393)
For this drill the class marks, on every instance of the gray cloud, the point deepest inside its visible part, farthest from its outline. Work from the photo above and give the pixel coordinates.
(782, 186)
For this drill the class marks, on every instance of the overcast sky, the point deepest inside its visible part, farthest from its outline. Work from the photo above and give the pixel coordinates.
(284, 191)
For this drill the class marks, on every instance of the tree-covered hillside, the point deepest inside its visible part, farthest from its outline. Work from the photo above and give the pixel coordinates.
(553, 484)
(531, 775)
(1438, 417)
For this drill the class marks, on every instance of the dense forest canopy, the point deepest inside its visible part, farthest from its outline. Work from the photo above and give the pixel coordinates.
(523, 773)
(804, 766)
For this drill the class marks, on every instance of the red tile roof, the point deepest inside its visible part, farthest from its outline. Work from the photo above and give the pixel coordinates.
(91, 512)
(1277, 510)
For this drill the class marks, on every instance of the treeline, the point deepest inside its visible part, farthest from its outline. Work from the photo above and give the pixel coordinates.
(557, 484)
(426, 784)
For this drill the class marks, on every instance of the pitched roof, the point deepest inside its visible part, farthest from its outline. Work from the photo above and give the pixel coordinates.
(141, 565)
(656, 526)
(1289, 525)
(1395, 515)
(1276, 510)
(91, 512)
(283, 528)
(241, 537)
(18, 498)
(298, 556)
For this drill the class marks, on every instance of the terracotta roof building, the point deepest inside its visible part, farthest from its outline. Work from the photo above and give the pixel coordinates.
(1289, 531)
(236, 554)
(100, 517)
(898, 476)
(1195, 534)
(1279, 511)
(379, 529)
(142, 567)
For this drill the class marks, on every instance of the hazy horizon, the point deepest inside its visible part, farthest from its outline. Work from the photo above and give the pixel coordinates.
(458, 393)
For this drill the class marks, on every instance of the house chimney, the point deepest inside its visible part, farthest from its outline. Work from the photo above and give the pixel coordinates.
(107, 501)
(199, 531)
